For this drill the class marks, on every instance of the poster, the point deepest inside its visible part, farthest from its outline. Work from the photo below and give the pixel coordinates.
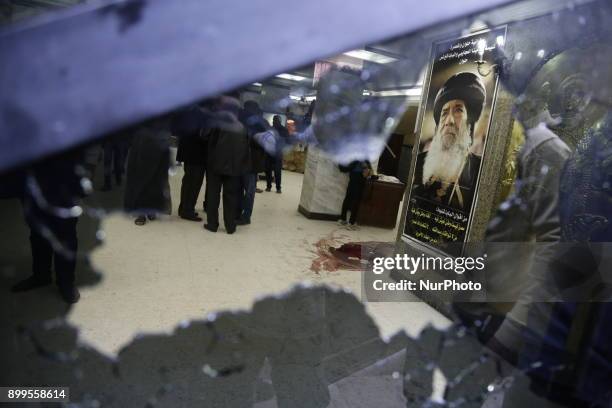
(452, 134)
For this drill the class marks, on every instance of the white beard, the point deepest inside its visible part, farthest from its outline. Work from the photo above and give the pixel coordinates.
(445, 165)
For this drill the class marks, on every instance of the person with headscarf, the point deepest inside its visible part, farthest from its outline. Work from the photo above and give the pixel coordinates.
(147, 190)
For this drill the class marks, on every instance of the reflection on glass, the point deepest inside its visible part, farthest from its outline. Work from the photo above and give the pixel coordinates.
(502, 153)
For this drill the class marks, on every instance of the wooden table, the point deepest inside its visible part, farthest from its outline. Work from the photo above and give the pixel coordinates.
(380, 203)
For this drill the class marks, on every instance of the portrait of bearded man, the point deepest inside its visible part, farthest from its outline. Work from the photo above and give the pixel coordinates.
(447, 171)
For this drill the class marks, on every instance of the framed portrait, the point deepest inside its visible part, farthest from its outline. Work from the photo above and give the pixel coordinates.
(452, 132)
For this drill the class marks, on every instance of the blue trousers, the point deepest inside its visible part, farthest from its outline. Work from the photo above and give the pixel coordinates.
(249, 183)
(274, 164)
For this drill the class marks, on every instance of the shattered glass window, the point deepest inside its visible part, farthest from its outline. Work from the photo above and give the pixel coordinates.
(300, 215)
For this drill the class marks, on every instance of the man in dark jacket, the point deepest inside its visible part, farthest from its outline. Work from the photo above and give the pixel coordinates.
(50, 193)
(192, 151)
(228, 161)
(252, 119)
(567, 341)
(275, 163)
(358, 171)
(115, 153)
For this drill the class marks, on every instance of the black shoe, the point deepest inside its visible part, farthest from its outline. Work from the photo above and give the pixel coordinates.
(230, 231)
(193, 217)
(242, 221)
(258, 190)
(268, 189)
(142, 220)
(107, 184)
(278, 191)
(30, 283)
(70, 294)
(152, 217)
(211, 229)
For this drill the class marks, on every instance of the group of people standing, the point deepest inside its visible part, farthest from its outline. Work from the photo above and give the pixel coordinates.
(223, 141)
(219, 139)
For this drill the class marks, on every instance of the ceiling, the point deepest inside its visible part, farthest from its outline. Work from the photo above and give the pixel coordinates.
(15, 10)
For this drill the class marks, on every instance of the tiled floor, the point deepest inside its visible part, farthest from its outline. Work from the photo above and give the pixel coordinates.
(160, 274)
